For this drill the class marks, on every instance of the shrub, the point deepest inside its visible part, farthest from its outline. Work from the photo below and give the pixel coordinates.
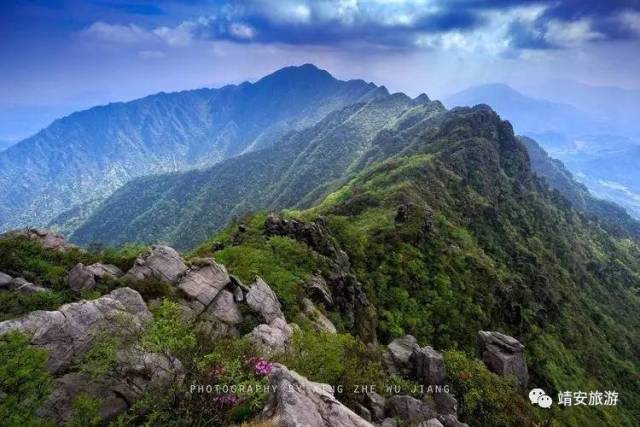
(170, 333)
(24, 381)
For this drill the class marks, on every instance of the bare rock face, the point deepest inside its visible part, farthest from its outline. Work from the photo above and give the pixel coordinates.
(398, 358)
(300, 402)
(503, 355)
(160, 262)
(273, 338)
(263, 300)
(409, 409)
(71, 330)
(319, 291)
(82, 278)
(204, 282)
(429, 366)
(376, 404)
(48, 239)
(319, 320)
(19, 284)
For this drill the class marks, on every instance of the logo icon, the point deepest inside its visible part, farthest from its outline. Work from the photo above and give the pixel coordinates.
(537, 396)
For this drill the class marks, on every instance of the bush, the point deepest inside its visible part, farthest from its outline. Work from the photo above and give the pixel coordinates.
(170, 333)
(24, 381)
(484, 398)
(85, 412)
(335, 359)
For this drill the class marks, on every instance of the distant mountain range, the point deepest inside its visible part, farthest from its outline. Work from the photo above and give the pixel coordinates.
(599, 147)
(79, 160)
(5, 144)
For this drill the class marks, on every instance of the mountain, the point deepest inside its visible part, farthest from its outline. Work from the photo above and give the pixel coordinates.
(592, 143)
(559, 178)
(82, 158)
(408, 219)
(185, 208)
(449, 231)
(5, 144)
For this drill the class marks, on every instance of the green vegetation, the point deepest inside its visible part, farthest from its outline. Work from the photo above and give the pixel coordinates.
(24, 381)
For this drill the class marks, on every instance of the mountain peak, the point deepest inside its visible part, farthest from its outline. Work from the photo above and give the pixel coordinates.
(306, 72)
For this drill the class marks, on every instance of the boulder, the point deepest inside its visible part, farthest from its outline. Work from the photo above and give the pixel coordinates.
(273, 338)
(19, 284)
(203, 282)
(264, 301)
(451, 421)
(297, 401)
(70, 331)
(429, 366)
(5, 279)
(389, 422)
(409, 409)
(318, 290)
(225, 309)
(503, 355)
(433, 422)
(48, 239)
(319, 320)
(136, 372)
(445, 403)
(376, 404)
(82, 278)
(398, 357)
(160, 262)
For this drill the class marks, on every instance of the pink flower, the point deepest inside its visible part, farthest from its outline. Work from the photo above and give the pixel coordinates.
(226, 400)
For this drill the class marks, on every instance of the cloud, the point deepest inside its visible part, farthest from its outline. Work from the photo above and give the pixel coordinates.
(495, 26)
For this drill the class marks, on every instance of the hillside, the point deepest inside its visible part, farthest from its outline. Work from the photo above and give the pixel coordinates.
(183, 209)
(458, 235)
(79, 160)
(597, 143)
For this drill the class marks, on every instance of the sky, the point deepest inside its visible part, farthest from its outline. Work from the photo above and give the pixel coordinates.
(61, 56)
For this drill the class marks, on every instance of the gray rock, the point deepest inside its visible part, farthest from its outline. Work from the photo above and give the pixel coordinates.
(19, 284)
(203, 282)
(503, 355)
(446, 404)
(81, 277)
(136, 372)
(409, 409)
(398, 356)
(429, 366)
(362, 411)
(273, 338)
(297, 402)
(5, 279)
(48, 239)
(160, 262)
(376, 404)
(389, 422)
(433, 422)
(318, 290)
(225, 309)
(71, 330)
(264, 301)
(451, 421)
(319, 320)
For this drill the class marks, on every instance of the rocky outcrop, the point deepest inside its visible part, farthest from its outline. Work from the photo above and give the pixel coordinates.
(317, 318)
(160, 263)
(398, 357)
(346, 292)
(136, 371)
(297, 401)
(429, 366)
(376, 405)
(409, 409)
(202, 283)
(48, 239)
(273, 338)
(264, 301)
(82, 278)
(318, 290)
(70, 331)
(18, 284)
(503, 355)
